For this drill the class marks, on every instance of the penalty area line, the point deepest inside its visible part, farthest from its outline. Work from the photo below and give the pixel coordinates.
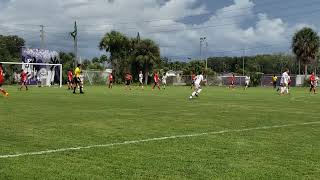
(151, 139)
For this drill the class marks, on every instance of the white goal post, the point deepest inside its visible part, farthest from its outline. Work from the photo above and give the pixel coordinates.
(49, 75)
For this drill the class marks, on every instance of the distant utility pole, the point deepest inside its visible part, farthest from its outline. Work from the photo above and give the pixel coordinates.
(74, 34)
(206, 55)
(42, 36)
(244, 53)
(202, 40)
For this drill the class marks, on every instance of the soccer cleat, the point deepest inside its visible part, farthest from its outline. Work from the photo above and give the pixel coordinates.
(6, 94)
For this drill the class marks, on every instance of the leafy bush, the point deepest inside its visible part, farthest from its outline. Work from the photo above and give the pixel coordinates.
(256, 78)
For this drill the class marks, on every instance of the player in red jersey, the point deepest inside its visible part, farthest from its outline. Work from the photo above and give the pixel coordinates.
(110, 80)
(156, 81)
(70, 78)
(4, 92)
(313, 83)
(24, 77)
(193, 79)
(232, 81)
(128, 79)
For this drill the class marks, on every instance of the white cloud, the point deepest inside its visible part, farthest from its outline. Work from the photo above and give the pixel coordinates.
(233, 27)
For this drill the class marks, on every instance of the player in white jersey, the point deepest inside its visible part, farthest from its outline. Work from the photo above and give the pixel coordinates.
(247, 82)
(285, 82)
(197, 85)
(141, 79)
(164, 80)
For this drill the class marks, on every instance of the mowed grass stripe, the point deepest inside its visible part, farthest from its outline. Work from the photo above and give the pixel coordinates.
(151, 139)
(53, 118)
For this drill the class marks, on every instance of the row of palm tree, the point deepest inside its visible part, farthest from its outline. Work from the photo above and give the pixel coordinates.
(126, 52)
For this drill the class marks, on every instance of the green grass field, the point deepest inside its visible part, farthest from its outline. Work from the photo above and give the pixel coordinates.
(253, 134)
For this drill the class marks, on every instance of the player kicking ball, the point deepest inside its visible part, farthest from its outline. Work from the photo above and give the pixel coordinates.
(247, 82)
(4, 92)
(197, 86)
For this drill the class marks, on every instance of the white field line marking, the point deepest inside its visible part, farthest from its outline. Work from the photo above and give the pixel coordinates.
(152, 139)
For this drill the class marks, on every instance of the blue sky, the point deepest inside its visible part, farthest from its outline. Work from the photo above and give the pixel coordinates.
(264, 26)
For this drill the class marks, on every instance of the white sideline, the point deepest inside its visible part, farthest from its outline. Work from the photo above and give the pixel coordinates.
(152, 139)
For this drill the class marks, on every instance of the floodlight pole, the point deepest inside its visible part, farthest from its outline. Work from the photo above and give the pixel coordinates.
(202, 40)
(206, 55)
(244, 53)
(76, 51)
(42, 36)
(61, 76)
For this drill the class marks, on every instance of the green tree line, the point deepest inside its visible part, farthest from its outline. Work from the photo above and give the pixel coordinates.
(126, 54)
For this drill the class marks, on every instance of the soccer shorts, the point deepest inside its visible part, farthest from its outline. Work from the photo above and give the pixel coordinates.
(76, 80)
(197, 86)
(312, 85)
(128, 82)
(23, 82)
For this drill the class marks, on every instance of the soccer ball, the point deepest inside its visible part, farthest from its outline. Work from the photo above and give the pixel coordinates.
(190, 97)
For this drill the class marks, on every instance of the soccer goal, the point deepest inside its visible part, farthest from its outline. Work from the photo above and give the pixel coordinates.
(96, 77)
(226, 80)
(41, 74)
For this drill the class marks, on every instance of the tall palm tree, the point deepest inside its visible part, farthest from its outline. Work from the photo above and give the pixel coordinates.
(147, 53)
(118, 45)
(305, 45)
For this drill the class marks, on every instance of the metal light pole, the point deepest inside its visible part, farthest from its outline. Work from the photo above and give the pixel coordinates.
(42, 36)
(244, 53)
(206, 55)
(202, 40)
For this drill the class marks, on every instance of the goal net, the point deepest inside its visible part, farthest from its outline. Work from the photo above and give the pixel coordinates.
(96, 77)
(41, 74)
(226, 80)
